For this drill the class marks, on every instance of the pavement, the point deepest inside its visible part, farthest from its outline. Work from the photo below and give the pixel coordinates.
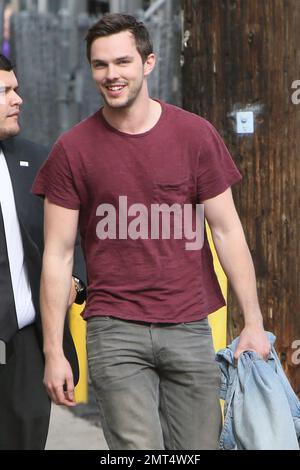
(70, 432)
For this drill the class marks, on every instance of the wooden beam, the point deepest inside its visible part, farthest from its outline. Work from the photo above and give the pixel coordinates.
(244, 55)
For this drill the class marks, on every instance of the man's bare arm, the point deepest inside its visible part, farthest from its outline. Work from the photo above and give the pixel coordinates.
(60, 234)
(236, 260)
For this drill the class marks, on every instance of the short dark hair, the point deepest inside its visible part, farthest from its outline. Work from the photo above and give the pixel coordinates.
(5, 64)
(112, 23)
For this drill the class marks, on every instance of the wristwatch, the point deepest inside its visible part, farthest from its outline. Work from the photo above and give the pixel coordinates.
(80, 291)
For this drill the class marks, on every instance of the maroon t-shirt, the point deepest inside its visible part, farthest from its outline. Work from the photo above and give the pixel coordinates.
(181, 160)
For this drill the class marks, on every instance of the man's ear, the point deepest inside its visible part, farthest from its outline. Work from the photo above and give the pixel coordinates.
(149, 64)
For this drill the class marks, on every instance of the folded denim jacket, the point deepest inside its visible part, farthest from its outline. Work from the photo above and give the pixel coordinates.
(261, 410)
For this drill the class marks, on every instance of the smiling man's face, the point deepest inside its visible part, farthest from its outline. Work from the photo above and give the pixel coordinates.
(10, 103)
(117, 69)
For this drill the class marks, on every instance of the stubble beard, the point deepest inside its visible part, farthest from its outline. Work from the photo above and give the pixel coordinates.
(132, 96)
(8, 132)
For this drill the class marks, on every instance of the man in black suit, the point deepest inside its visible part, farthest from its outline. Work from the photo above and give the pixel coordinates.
(24, 403)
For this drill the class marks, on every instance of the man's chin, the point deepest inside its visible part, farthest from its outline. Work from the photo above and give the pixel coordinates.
(115, 103)
(119, 103)
(9, 132)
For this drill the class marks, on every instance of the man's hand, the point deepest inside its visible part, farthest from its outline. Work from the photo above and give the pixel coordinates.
(253, 338)
(58, 380)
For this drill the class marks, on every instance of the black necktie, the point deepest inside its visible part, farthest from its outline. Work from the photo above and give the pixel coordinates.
(8, 316)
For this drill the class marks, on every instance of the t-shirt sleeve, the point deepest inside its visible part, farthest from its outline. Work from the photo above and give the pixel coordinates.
(216, 168)
(55, 180)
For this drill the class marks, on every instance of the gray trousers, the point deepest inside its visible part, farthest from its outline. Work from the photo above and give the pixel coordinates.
(156, 385)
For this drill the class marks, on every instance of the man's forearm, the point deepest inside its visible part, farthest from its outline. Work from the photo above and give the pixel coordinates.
(55, 292)
(236, 260)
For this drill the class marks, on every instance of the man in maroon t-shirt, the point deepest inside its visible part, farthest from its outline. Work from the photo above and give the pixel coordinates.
(136, 176)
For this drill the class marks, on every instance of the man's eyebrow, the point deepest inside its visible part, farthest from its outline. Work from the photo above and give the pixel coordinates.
(125, 57)
(118, 59)
(5, 88)
(98, 61)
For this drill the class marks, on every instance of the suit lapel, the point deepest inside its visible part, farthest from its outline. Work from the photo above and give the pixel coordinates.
(20, 177)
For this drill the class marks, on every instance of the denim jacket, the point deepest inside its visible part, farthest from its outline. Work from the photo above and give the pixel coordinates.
(261, 410)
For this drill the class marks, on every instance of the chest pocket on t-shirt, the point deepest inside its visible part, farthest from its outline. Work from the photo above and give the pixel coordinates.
(171, 193)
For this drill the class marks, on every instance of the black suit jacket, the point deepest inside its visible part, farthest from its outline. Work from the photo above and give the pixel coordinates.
(30, 215)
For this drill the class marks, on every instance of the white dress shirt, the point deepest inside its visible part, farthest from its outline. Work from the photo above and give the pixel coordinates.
(20, 282)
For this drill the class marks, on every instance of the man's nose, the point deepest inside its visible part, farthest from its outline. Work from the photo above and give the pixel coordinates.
(16, 99)
(112, 72)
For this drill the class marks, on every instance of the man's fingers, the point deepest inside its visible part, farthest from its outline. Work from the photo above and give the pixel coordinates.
(69, 389)
(58, 380)
(50, 392)
(54, 396)
(56, 393)
(264, 355)
(59, 396)
(236, 357)
(238, 352)
(62, 397)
